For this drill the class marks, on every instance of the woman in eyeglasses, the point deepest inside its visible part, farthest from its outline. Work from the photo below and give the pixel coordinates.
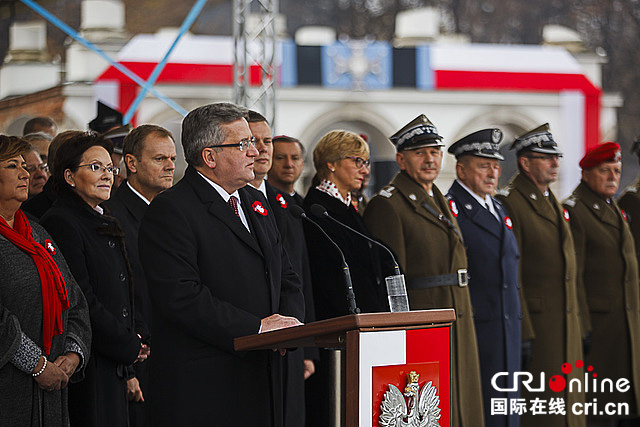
(341, 159)
(93, 245)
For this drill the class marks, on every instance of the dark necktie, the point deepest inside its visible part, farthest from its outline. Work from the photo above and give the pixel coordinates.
(233, 202)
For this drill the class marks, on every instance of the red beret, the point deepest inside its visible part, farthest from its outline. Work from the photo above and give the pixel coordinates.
(607, 152)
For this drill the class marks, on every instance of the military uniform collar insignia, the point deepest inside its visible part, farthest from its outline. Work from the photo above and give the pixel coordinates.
(533, 196)
(468, 206)
(413, 197)
(596, 206)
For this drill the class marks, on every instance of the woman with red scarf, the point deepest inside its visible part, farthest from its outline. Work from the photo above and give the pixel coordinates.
(45, 334)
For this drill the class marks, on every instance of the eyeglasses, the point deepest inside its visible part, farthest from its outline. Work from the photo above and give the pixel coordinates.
(359, 161)
(95, 167)
(32, 168)
(243, 144)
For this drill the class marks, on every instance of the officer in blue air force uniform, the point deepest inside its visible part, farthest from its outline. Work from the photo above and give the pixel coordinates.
(492, 256)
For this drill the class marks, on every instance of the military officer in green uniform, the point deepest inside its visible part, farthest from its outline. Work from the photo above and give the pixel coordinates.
(547, 273)
(608, 267)
(412, 217)
(630, 202)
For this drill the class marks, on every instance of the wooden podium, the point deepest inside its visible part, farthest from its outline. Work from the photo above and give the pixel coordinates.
(378, 349)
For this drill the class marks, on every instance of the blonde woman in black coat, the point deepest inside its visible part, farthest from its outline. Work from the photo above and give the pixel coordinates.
(93, 244)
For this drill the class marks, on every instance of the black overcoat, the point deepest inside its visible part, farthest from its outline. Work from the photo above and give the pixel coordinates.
(211, 281)
(367, 263)
(292, 235)
(96, 256)
(492, 256)
(128, 208)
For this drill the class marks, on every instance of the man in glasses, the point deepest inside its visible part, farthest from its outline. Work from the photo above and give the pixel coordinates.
(216, 270)
(553, 335)
(412, 217)
(38, 171)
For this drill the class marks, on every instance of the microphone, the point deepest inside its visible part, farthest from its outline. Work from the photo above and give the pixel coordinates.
(298, 212)
(320, 211)
(396, 288)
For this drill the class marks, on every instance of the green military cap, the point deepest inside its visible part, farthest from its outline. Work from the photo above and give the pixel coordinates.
(420, 132)
(538, 140)
(483, 143)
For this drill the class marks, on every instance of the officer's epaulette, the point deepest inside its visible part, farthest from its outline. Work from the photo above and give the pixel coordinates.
(571, 201)
(631, 189)
(504, 192)
(387, 191)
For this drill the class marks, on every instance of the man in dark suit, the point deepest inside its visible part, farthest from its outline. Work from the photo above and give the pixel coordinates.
(150, 157)
(216, 270)
(492, 254)
(287, 165)
(299, 362)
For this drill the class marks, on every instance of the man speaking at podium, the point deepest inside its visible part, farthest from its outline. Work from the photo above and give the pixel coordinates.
(216, 270)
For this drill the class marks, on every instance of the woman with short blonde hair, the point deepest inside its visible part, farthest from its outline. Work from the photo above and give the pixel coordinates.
(341, 159)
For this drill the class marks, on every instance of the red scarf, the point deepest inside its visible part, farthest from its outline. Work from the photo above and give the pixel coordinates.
(54, 290)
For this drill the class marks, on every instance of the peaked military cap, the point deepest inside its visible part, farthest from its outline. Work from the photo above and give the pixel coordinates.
(538, 140)
(107, 119)
(483, 143)
(420, 132)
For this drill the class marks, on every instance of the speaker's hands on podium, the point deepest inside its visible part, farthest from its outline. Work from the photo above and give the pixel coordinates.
(278, 321)
(309, 368)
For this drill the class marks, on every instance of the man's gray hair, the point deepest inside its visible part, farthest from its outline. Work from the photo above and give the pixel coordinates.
(202, 128)
(37, 136)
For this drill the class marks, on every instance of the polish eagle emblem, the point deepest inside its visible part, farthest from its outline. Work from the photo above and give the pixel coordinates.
(420, 409)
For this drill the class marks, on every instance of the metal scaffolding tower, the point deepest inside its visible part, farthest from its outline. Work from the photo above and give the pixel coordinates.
(254, 34)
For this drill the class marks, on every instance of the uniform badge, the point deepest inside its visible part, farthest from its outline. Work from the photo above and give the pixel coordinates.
(48, 246)
(565, 214)
(281, 200)
(533, 196)
(596, 206)
(387, 191)
(468, 206)
(413, 197)
(624, 215)
(617, 156)
(454, 208)
(496, 136)
(508, 222)
(414, 408)
(257, 206)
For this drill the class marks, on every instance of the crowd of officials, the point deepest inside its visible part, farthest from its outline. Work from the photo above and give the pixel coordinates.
(121, 293)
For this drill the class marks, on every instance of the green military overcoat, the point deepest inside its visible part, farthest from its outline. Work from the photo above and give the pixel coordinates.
(425, 246)
(548, 279)
(608, 267)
